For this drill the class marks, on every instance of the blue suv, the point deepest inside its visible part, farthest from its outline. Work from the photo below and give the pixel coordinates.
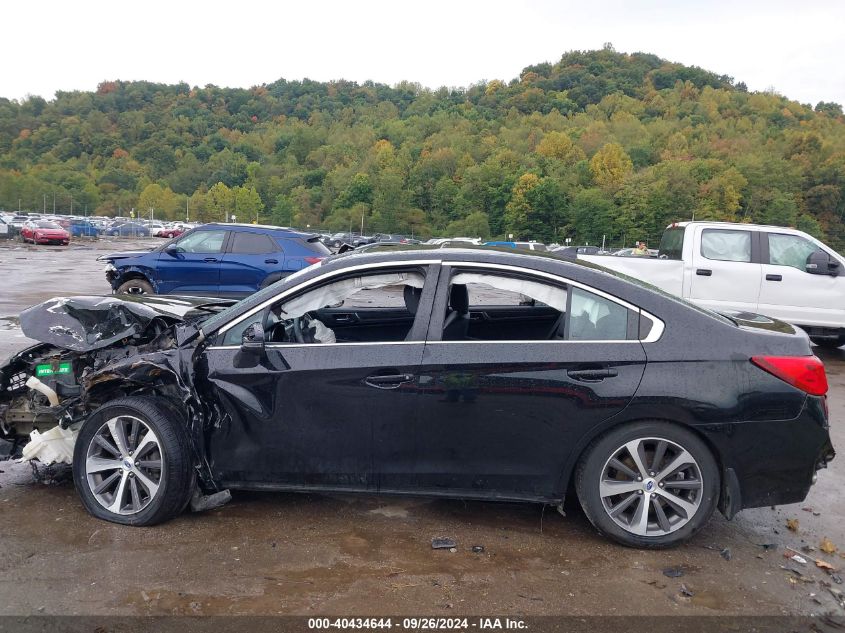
(82, 228)
(218, 260)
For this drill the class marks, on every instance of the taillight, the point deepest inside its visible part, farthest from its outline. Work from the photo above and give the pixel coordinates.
(802, 372)
(313, 260)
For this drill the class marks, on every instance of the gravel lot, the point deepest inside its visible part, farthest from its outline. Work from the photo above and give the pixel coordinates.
(273, 553)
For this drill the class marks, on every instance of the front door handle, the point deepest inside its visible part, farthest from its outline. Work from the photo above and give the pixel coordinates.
(774, 277)
(388, 381)
(271, 261)
(591, 375)
(210, 259)
(704, 272)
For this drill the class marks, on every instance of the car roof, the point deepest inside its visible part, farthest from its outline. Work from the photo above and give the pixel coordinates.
(275, 231)
(733, 225)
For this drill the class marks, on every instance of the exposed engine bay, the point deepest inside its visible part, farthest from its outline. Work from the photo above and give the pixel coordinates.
(93, 349)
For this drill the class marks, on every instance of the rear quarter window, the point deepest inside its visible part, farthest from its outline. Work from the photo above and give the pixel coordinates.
(299, 246)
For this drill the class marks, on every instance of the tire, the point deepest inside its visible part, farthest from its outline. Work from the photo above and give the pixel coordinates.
(828, 343)
(271, 279)
(695, 485)
(135, 287)
(174, 476)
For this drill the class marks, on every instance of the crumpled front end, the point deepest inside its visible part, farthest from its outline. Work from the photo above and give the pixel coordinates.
(96, 349)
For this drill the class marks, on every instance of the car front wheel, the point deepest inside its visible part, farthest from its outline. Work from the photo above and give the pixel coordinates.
(648, 484)
(132, 463)
(135, 287)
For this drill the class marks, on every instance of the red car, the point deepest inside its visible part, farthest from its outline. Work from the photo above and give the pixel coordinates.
(41, 232)
(174, 232)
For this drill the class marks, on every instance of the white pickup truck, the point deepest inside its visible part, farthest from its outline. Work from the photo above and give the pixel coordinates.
(775, 271)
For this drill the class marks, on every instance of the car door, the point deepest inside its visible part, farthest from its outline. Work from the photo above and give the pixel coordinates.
(191, 266)
(308, 415)
(249, 256)
(791, 293)
(726, 269)
(501, 417)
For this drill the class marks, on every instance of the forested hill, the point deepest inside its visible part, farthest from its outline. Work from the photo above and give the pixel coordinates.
(600, 143)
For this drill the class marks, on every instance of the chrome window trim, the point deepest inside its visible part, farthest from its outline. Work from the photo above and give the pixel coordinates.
(324, 276)
(318, 345)
(654, 334)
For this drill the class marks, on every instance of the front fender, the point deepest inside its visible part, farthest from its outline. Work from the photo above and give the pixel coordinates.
(125, 273)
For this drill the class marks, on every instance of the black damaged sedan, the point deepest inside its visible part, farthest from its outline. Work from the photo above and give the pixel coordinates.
(452, 372)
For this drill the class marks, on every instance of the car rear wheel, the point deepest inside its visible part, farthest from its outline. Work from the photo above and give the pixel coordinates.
(135, 287)
(132, 463)
(648, 484)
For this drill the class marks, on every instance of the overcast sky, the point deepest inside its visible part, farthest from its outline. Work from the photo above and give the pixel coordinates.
(794, 47)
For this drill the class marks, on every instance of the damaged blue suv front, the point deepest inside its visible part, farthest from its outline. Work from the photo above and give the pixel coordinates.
(218, 260)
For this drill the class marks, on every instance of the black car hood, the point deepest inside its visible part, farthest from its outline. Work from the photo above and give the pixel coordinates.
(87, 323)
(123, 255)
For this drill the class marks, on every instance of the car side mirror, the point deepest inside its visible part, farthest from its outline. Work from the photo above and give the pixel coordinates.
(172, 250)
(820, 263)
(252, 341)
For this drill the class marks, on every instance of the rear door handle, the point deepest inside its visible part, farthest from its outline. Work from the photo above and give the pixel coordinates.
(704, 272)
(388, 381)
(210, 259)
(271, 261)
(774, 277)
(591, 375)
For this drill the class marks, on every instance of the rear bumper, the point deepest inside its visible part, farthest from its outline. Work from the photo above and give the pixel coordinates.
(772, 462)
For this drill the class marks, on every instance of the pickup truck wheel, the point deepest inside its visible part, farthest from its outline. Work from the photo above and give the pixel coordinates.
(135, 287)
(648, 484)
(828, 343)
(132, 462)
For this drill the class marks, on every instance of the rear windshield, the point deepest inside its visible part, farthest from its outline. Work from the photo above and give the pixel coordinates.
(672, 243)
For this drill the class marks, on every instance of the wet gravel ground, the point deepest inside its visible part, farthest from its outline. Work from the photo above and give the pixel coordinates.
(272, 553)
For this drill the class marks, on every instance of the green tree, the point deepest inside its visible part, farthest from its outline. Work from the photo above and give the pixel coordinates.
(220, 203)
(610, 166)
(247, 204)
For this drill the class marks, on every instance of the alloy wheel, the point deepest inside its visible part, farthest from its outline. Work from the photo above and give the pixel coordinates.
(651, 486)
(124, 466)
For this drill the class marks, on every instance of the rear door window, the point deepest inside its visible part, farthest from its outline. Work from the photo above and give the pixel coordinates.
(247, 243)
(726, 245)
